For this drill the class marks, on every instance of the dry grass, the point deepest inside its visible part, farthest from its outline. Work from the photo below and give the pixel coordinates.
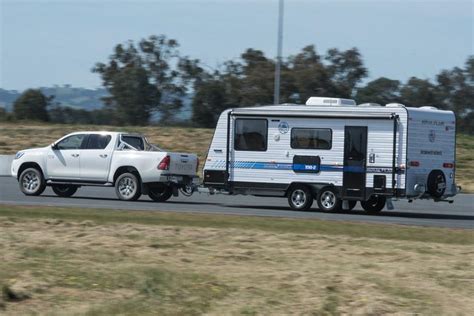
(14, 137)
(97, 267)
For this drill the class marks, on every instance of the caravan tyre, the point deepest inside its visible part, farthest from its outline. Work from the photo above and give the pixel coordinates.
(374, 204)
(300, 198)
(328, 200)
(436, 183)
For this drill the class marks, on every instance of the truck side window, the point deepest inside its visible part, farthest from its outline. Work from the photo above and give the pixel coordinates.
(251, 134)
(71, 142)
(97, 141)
(311, 138)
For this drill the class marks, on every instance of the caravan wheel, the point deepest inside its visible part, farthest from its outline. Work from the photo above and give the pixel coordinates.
(300, 198)
(328, 200)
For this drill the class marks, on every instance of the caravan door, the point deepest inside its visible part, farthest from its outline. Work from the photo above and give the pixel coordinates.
(355, 154)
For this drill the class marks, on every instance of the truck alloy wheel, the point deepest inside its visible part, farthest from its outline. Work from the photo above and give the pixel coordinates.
(328, 200)
(300, 198)
(128, 187)
(64, 190)
(32, 182)
(374, 204)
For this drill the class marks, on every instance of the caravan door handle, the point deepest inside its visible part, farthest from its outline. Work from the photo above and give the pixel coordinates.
(103, 156)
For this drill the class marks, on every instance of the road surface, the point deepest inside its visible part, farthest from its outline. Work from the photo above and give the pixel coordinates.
(460, 214)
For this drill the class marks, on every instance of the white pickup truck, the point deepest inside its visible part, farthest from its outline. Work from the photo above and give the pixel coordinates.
(121, 160)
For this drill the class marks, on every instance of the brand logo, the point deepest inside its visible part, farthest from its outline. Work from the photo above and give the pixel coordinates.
(432, 136)
(283, 127)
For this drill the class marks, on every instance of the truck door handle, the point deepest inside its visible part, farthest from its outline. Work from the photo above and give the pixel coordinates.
(75, 155)
(103, 156)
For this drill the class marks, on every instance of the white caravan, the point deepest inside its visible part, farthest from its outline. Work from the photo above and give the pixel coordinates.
(335, 152)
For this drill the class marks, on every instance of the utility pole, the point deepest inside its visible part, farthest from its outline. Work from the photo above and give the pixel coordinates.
(276, 96)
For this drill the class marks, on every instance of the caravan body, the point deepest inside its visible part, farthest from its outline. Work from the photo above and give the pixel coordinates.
(359, 151)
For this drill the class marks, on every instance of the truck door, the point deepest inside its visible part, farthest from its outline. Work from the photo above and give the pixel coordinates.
(355, 154)
(96, 157)
(63, 161)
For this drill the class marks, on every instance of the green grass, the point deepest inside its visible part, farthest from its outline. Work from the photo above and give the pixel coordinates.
(305, 226)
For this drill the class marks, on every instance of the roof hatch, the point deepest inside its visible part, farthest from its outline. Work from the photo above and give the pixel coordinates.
(330, 101)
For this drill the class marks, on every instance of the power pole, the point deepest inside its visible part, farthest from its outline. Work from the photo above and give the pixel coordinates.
(276, 96)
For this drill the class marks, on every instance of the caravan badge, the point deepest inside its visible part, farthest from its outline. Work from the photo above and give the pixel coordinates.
(432, 136)
(283, 127)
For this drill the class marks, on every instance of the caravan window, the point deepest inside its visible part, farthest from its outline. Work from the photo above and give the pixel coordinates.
(250, 134)
(311, 138)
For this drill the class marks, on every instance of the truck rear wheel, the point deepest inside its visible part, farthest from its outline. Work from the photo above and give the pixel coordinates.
(32, 182)
(300, 198)
(64, 190)
(128, 187)
(374, 204)
(160, 192)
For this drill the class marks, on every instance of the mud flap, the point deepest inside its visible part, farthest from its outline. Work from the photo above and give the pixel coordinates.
(390, 204)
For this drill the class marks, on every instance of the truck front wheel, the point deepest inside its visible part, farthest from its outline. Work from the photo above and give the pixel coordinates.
(32, 182)
(128, 187)
(159, 192)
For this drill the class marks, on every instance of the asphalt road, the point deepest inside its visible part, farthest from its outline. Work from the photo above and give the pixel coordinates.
(460, 214)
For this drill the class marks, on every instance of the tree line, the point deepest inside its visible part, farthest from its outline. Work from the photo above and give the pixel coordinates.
(152, 77)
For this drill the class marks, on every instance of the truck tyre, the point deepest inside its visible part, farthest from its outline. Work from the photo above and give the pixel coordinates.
(374, 204)
(64, 190)
(32, 182)
(160, 192)
(328, 201)
(128, 187)
(300, 198)
(436, 183)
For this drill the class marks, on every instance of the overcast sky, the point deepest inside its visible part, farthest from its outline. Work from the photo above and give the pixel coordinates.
(43, 43)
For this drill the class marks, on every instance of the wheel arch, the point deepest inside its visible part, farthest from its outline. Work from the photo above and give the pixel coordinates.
(29, 164)
(124, 169)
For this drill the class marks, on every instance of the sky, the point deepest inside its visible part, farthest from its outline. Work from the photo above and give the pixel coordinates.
(56, 42)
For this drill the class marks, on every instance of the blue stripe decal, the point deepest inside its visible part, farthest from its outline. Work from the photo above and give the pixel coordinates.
(300, 167)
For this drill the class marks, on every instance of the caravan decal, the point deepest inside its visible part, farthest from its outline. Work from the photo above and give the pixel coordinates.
(298, 167)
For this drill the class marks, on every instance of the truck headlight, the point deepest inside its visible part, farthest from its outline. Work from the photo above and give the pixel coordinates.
(19, 155)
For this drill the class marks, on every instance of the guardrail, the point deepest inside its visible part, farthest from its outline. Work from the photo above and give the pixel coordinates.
(5, 165)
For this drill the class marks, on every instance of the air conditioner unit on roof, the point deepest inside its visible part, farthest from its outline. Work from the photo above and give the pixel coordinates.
(330, 101)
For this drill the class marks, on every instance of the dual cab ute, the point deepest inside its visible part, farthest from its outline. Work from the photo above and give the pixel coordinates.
(127, 162)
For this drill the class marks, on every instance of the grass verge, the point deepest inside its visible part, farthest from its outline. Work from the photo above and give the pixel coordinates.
(277, 225)
(61, 261)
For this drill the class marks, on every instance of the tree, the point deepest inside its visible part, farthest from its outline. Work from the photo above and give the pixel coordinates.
(143, 78)
(32, 105)
(419, 92)
(381, 91)
(346, 69)
(309, 77)
(208, 103)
